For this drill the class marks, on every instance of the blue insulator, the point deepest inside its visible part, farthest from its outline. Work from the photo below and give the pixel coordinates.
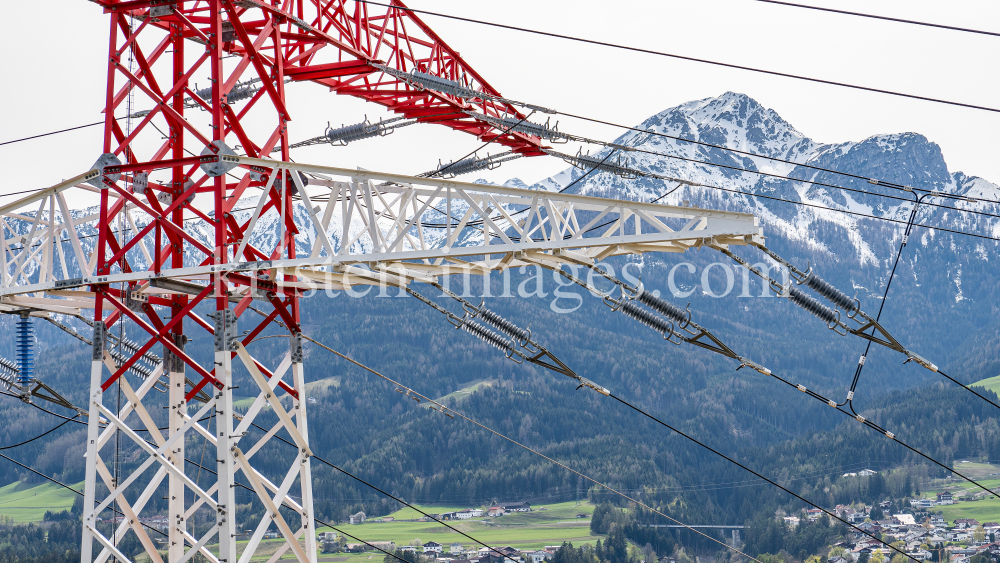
(24, 350)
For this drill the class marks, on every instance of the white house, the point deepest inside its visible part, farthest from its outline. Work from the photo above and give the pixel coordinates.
(477, 512)
(539, 556)
(358, 518)
(455, 548)
(463, 514)
(432, 547)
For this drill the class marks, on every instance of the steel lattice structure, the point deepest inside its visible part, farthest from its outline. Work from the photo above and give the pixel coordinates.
(171, 235)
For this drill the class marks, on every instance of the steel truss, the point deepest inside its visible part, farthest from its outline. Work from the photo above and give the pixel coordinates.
(355, 228)
(169, 247)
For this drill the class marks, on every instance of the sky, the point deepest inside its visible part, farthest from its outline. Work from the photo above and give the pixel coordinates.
(61, 83)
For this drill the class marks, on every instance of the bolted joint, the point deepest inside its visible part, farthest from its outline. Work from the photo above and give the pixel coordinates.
(226, 337)
(295, 343)
(104, 161)
(219, 165)
(172, 363)
(99, 340)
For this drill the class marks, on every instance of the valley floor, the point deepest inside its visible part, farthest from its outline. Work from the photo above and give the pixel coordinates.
(556, 524)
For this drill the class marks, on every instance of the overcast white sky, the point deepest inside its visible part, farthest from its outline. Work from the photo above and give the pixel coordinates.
(56, 72)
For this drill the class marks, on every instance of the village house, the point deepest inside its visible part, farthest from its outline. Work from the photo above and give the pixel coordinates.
(496, 511)
(517, 507)
(945, 498)
(358, 518)
(432, 547)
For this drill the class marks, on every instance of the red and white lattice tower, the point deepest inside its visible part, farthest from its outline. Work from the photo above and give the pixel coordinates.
(163, 159)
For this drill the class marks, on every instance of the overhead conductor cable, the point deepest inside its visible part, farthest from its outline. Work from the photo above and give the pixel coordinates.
(446, 410)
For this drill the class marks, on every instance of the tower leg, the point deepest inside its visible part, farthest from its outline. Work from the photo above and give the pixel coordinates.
(93, 432)
(305, 470)
(226, 516)
(176, 487)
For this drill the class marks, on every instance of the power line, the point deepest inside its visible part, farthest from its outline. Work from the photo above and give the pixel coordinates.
(683, 57)
(886, 18)
(874, 181)
(515, 442)
(812, 182)
(481, 147)
(39, 473)
(390, 495)
(885, 296)
(443, 408)
(65, 486)
(644, 413)
(52, 133)
(60, 425)
(878, 428)
(758, 475)
(845, 211)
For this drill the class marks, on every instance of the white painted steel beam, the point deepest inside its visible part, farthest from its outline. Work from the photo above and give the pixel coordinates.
(369, 220)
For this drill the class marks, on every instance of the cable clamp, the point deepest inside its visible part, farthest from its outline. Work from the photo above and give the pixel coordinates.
(890, 435)
(873, 181)
(832, 403)
(754, 366)
(861, 360)
(906, 238)
(850, 395)
(588, 383)
(911, 357)
(860, 418)
(801, 387)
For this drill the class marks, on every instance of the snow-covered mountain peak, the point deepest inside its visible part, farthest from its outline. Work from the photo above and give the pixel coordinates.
(904, 158)
(817, 209)
(734, 120)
